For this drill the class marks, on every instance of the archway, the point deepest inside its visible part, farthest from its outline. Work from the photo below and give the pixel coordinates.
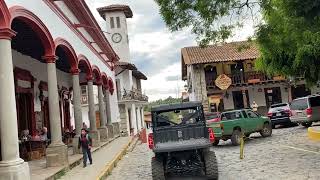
(67, 62)
(33, 41)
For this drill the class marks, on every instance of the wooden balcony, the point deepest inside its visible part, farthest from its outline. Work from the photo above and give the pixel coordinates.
(247, 78)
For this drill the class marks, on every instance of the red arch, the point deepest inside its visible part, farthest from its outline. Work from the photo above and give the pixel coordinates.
(4, 15)
(85, 62)
(96, 73)
(18, 12)
(71, 54)
(111, 86)
(104, 78)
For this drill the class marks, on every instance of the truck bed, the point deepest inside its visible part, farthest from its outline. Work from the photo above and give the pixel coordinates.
(182, 145)
(181, 137)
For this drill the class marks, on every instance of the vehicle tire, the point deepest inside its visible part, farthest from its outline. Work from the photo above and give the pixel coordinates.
(157, 169)
(236, 137)
(216, 142)
(306, 124)
(273, 126)
(266, 130)
(211, 165)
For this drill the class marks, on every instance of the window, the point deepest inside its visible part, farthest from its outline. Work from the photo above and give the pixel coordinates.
(118, 22)
(314, 101)
(111, 22)
(299, 104)
(83, 90)
(244, 114)
(251, 114)
(230, 116)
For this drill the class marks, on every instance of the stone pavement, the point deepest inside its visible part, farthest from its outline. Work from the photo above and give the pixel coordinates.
(39, 171)
(136, 165)
(288, 154)
(100, 159)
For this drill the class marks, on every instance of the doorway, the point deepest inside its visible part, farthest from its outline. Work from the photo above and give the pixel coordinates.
(237, 71)
(273, 96)
(300, 91)
(130, 124)
(238, 99)
(210, 75)
(25, 112)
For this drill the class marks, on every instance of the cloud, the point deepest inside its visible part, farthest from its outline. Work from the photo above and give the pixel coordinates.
(154, 49)
(173, 78)
(159, 87)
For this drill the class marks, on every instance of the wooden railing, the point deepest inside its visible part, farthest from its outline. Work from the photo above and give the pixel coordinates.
(246, 78)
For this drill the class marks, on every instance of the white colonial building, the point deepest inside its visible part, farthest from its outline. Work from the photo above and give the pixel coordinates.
(48, 49)
(128, 77)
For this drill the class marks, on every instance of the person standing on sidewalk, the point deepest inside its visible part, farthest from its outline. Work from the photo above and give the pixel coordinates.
(85, 142)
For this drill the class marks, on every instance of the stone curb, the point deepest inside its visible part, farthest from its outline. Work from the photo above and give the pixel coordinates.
(314, 133)
(64, 170)
(109, 167)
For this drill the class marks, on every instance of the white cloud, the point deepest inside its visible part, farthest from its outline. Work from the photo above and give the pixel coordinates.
(153, 48)
(158, 87)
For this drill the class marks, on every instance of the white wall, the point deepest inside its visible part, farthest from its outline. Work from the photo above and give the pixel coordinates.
(57, 29)
(121, 48)
(134, 82)
(126, 81)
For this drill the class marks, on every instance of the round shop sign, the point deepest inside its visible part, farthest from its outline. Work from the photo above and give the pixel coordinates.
(223, 82)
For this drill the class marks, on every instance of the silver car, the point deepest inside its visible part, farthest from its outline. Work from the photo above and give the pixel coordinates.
(305, 110)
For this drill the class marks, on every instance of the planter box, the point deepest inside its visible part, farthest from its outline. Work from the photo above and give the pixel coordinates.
(253, 80)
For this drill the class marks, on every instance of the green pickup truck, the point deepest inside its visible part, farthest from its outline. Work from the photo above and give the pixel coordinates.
(236, 123)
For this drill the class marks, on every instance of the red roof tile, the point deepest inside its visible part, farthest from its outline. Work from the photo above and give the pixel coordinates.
(234, 51)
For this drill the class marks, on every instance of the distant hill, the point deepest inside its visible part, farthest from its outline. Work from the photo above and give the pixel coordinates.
(169, 100)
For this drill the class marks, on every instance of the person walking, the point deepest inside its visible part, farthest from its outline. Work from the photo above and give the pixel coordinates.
(85, 142)
(254, 106)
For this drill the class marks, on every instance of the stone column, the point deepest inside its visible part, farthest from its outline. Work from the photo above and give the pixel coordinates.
(57, 154)
(142, 117)
(108, 112)
(92, 115)
(12, 167)
(289, 93)
(134, 119)
(138, 114)
(103, 129)
(244, 96)
(77, 108)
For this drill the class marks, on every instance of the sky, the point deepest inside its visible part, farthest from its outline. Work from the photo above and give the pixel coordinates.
(154, 49)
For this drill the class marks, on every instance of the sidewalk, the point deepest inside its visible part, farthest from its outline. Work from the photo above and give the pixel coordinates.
(101, 158)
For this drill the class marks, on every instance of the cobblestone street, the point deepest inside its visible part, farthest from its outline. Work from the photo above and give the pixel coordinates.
(288, 154)
(135, 165)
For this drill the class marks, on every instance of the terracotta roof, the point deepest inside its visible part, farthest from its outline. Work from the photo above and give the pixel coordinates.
(126, 65)
(114, 8)
(234, 51)
(139, 75)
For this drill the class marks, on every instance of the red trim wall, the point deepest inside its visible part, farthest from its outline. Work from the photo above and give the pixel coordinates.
(65, 19)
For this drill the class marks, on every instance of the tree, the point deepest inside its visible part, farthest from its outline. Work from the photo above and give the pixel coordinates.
(289, 39)
(169, 100)
(210, 20)
(288, 35)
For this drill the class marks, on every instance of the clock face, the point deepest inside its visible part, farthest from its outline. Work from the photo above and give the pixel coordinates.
(116, 37)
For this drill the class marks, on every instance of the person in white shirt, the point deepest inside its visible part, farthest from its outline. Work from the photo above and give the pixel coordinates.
(254, 106)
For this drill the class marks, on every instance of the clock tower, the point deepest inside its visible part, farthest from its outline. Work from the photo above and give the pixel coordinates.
(116, 24)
